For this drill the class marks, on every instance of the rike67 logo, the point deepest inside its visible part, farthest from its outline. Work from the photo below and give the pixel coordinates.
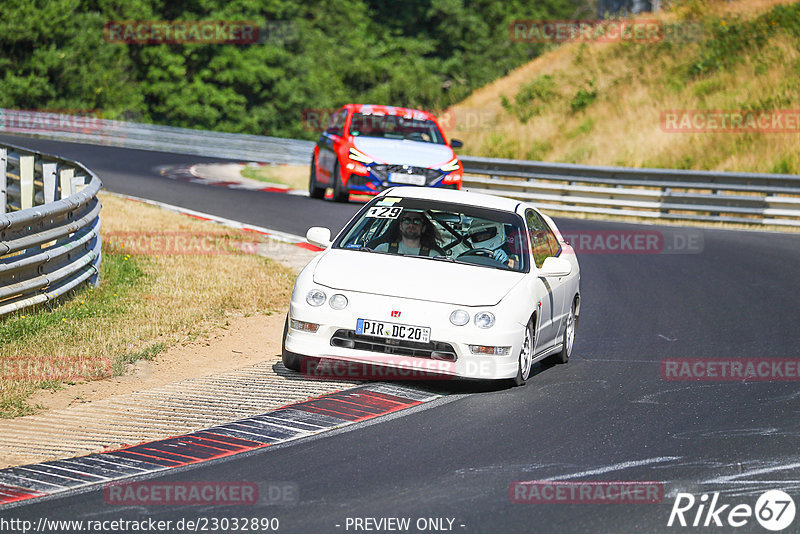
(774, 510)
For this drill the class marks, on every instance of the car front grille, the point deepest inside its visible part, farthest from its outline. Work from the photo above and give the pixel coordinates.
(357, 180)
(382, 171)
(433, 350)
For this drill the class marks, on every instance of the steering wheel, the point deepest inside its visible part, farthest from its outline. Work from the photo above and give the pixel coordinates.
(478, 252)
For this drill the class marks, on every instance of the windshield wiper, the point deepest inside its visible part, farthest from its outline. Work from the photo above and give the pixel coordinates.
(365, 248)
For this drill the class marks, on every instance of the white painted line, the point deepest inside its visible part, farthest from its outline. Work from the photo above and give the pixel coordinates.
(617, 467)
(274, 234)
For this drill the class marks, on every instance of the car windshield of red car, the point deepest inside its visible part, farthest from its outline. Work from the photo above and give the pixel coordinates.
(395, 127)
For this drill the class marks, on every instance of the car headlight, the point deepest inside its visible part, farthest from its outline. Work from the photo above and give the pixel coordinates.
(484, 320)
(459, 317)
(338, 302)
(357, 155)
(316, 297)
(451, 165)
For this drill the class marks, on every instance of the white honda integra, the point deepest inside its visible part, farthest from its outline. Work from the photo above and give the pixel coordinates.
(450, 283)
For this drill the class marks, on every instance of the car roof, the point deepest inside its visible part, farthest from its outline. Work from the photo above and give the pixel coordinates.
(454, 196)
(377, 109)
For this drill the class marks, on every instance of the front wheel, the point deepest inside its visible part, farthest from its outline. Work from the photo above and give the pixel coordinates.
(525, 360)
(314, 190)
(340, 192)
(569, 335)
(290, 359)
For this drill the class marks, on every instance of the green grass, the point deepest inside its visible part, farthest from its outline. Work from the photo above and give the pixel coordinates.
(121, 277)
(119, 274)
(149, 353)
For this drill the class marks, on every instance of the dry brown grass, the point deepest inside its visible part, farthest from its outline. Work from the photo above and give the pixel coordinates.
(622, 126)
(171, 298)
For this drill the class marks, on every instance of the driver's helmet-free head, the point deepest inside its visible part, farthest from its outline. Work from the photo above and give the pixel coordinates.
(487, 234)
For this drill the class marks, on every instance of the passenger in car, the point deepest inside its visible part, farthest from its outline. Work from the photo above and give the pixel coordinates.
(411, 234)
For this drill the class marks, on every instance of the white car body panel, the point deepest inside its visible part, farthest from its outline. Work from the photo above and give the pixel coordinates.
(404, 151)
(414, 278)
(426, 292)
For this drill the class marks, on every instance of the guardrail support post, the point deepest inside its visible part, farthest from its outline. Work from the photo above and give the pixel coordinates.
(3, 183)
(49, 181)
(26, 181)
(66, 182)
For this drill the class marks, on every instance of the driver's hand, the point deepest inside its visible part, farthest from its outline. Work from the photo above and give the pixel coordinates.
(500, 255)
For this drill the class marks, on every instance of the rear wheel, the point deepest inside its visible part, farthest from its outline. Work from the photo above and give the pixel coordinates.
(290, 359)
(340, 193)
(525, 360)
(569, 335)
(314, 190)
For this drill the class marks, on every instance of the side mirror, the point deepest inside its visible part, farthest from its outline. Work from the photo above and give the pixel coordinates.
(553, 267)
(319, 236)
(455, 143)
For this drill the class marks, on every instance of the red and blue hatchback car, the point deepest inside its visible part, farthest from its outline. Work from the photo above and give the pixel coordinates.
(367, 148)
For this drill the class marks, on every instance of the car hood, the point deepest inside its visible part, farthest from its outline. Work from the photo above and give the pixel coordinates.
(414, 278)
(403, 151)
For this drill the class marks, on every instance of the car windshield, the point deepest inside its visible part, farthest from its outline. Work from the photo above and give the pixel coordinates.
(439, 231)
(395, 127)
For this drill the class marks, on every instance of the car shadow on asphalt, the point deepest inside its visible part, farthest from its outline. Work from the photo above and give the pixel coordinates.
(440, 384)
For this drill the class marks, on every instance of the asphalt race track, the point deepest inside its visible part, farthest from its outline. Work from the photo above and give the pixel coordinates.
(608, 415)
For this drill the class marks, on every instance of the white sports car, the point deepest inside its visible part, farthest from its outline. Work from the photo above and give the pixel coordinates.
(441, 282)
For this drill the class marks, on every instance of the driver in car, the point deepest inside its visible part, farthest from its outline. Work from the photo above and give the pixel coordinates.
(490, 236)
(413, 234)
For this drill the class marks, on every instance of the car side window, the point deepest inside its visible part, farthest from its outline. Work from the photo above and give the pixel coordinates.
(543, 242)
(336, 127)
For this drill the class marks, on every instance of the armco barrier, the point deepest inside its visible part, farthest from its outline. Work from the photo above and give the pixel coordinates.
(93, 130)
(49, 227)
(708, 196)
(670, 194)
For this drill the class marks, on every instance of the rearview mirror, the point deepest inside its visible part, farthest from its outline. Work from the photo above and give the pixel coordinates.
(319, 236)
(455, 143)
(553, 267)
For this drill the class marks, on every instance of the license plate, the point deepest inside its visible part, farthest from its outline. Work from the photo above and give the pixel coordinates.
(411, 179)
(406, 332)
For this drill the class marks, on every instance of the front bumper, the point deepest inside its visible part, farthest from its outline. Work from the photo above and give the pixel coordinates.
(378, 179)
(448, 342)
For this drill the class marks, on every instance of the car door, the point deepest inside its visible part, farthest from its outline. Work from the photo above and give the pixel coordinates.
(328, 143)
(550, 291)
(560, 285)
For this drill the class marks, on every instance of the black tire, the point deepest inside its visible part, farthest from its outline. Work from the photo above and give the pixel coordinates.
(290, 359)
(525, 357)
(340, 192)
(314, 190)
(568, 340)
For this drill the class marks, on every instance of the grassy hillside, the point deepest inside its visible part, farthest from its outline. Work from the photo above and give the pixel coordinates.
(602, 103)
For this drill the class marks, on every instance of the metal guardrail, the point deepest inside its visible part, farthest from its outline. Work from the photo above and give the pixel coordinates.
(648, 193)
(49, 227)
(124, 134)
(707, 196)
